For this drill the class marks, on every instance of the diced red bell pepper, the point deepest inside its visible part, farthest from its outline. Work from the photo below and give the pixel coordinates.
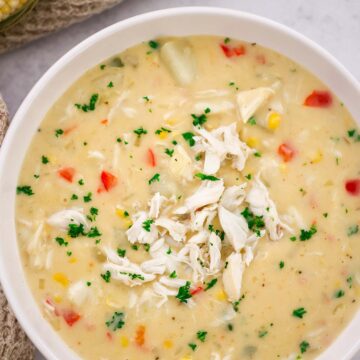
(233, 51)
(353, 187)
(151, 158)
(286, 152)
(67, 173)
(317, 98)
(71, 317)
(108, 180)
(196, 290)
(104, 121)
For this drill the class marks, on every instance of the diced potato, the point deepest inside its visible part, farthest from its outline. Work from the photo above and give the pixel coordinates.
(179, 59)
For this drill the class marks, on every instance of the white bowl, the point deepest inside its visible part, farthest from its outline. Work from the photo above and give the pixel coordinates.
(114, 39)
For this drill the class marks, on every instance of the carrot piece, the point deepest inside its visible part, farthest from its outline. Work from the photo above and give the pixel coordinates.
(69, 130)
(140, 335)
(71, 317)
(108, 180)
(322, 99)
(67, 173)
(104, 121)
(151, 158)
(197, 290)
(353, 187)
(233, 51)
(286, 152)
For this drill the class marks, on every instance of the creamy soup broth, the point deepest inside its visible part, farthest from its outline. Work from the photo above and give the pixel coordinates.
(276, 276)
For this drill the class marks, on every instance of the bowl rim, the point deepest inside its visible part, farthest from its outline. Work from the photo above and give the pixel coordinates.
(349, 82)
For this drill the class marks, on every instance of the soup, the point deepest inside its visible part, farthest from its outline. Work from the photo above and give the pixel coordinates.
(194, 198)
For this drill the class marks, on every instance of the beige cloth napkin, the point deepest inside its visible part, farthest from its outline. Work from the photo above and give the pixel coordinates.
(48, 16)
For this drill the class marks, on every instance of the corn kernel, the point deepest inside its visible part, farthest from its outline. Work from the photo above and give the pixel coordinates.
(274, 121)
(252, 141)
(171, 121)
(58, 299)
(61, 279)
(72, 260)
(168, 344)
(163, 135)
(220, 295)
(124, 341)
(120, 213)
(186, 358)
(317, 157)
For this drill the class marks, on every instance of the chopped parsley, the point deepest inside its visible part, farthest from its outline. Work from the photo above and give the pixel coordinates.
(140, 131)
(87, 198)
(76, 230)
(174, 142)
(133, 276)
(168, 252)
(102, 66)
(199, 120)
(255, 222)
(252, 120)
(61, 241)
(93, 232)
(226, 40)
(81, 182)
(135, 247)
(236, 303)
(304, 345)
(257, 154)
(352, 230)
(94, 212)
(325, 215)
(192, 346)
(281, 264)
(106, 276)
(202, 176)
(173, 275)
(169, 152)
(91, 106)
(121, 252)
(156, 177)
(189, 137)
(25, 189)
(88, 283)
(299, 312)
(184, 293)
(354, 134)
(248, 176)
(69, 253)
(339, 294)
(44, 160)
(198, 157)
(147, 247)
(116, 322)
(292, 238)
(36, 176)
(117, 62)
(59, 132)
(201, 335)
(74, 197)
(230, 327)
(219, 233)
(307, 234)
(262, 333)
(153, 44)
(210, 284)
(110, 84)
(147, 224)
(162, 130)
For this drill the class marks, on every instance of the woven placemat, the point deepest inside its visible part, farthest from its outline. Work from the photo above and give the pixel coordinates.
(49, 16)
(14, 344)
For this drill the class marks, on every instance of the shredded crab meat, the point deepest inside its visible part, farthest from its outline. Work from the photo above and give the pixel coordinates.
(232, 276)
(235, 228)
(62, 219)
(155, 205)
(233, 197)
(220, 144)
(137, 232)
(208, 193)
(78, 293)
(261, 205)
(214, 253)
(203, 218)
(176, 230)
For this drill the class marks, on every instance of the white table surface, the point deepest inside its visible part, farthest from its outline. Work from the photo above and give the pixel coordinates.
(334, 24)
